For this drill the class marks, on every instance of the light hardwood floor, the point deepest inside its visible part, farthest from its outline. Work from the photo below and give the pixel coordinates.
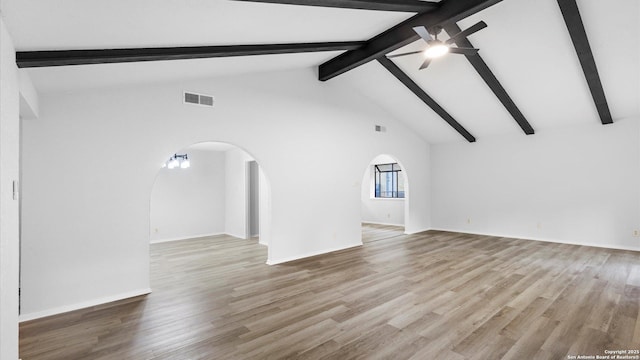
(434, 295)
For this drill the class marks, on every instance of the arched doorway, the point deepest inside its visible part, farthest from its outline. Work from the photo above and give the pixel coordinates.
(209, 189)
(384, 196)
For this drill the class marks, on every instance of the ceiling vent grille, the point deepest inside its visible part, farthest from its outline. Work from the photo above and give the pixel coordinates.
(198, 99)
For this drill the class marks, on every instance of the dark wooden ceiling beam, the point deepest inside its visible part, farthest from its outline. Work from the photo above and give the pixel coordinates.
(26, 59)
(417, 90)
(401, 35)
(574, 23)
(383, 5)
(490, 79)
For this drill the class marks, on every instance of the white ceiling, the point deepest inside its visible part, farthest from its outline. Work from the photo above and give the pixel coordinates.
(93, 24)
(529, 50)
(526, 45)
(73, 24)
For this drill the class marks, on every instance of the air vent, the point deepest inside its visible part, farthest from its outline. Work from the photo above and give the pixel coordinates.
(380, 128)
(198, 99)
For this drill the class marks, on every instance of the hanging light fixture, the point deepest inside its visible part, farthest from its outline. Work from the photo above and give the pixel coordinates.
(173, 163)
(185, 162)
(181, 161)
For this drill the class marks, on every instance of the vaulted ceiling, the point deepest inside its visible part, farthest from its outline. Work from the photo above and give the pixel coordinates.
(535, 77)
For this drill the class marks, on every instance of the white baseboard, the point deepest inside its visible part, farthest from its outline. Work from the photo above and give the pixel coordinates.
(381, 223)
(191, 237)
(82, 305)
(416, 231)
(310, 254)
(614, 247)
(402, 225)
(238, 236)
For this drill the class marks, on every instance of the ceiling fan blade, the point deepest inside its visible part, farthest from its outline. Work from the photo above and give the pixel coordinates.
(464, 33)
(425, 64)
(463, 51)
(422, 31)
(404, 54)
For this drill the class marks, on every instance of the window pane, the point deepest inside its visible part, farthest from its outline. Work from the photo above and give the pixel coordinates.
(389, 181)
(386, 184)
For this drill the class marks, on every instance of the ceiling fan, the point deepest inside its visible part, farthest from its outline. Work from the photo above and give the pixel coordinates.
(437, 48)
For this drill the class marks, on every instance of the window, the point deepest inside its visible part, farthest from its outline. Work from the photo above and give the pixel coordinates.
(389, 181)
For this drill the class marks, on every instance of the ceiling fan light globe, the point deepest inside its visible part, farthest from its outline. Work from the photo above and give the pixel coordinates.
(435, 51)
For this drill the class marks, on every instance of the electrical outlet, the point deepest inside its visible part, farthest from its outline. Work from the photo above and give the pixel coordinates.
(155, 230)
(388, 216)
(636, 233)
(468, 220)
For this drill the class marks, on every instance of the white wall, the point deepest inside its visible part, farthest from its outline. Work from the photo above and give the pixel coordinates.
(264, 207)
(79, 221)
(380, 211)
(577, 185)
(188, 203)
(9, 172)
(29, 108)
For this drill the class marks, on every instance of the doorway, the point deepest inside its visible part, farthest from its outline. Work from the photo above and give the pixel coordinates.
(384, 196)
(220, 191)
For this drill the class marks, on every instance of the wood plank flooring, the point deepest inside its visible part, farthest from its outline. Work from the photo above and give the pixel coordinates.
(434, 295)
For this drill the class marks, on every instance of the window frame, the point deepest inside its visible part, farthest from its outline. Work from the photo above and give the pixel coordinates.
(395, 186)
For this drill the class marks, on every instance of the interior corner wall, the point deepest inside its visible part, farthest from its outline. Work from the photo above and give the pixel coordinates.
(9, 209)
(264, 207)
(85, 229)
(189, 203)
(579, 185)
(28, 96)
